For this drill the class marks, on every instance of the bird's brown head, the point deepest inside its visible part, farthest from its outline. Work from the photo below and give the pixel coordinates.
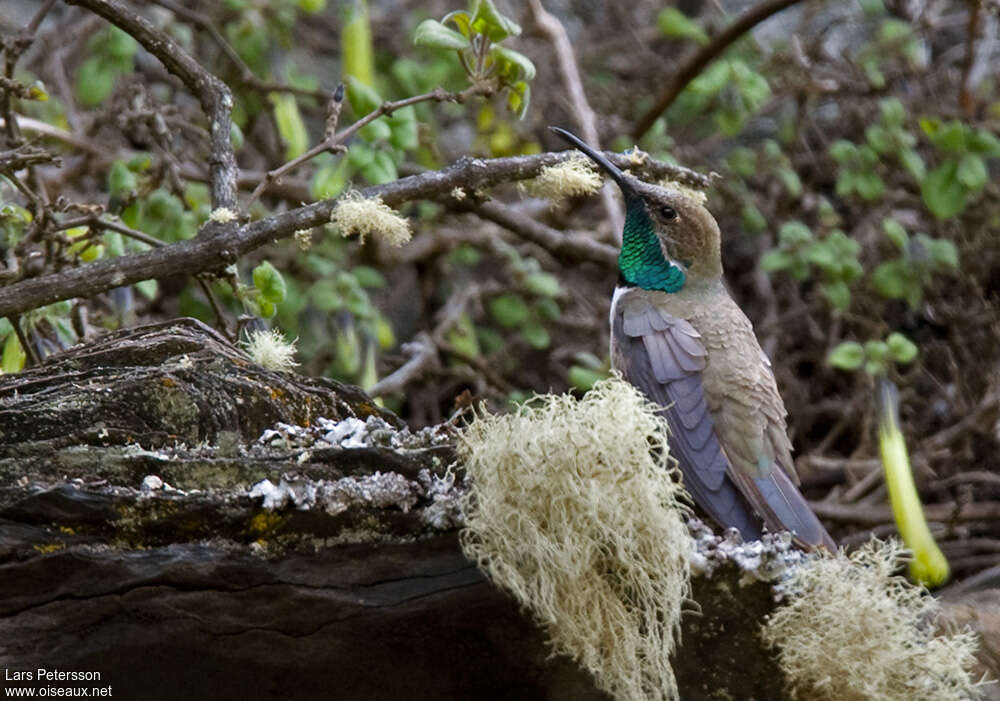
(669, 237)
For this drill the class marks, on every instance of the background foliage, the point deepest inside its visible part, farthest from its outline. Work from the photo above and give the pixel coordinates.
(856, 143)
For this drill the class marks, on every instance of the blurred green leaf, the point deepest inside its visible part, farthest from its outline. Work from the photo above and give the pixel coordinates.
(674, 23)
(890, 279)
(944, 253)
(971, 171)
(536, 335)
(584, 378)
(849, 355)
(942, 191)
(486, 19)
(509, 310)
(913, 163)
(363, 99)
(13, 358)
(269, 281)
(900, 348)
(291, 127)
(381, 169)
(514, 65)
(896, 233)
(435, 35)
(838, 294)
(357, 54)
(542, 284)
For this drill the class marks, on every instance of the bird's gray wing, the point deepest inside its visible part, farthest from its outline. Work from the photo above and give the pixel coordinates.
(664, 357)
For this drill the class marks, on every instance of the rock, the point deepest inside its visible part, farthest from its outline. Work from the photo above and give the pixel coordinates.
(190, 525)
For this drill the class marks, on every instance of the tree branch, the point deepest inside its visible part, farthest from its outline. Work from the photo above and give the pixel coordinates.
(214, 95)
(696, 62)
(227, 244)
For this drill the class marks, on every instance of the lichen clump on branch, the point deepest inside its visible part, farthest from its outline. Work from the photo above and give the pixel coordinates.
(849, 631)
(575, 509)
(571, 177)
(355, 214)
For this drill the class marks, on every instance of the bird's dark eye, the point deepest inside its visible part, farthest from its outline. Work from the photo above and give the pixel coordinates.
(667, 212)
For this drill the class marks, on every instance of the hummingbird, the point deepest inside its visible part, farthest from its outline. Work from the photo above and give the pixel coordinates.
(678, 336)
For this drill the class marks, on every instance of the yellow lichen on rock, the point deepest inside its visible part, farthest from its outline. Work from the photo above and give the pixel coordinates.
(850, 630)
(575, 509)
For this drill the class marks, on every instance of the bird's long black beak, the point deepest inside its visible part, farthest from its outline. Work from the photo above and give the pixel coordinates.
(607, 166)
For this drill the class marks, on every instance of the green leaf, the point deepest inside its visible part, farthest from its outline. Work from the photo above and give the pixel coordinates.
(542, 284)
(357, 52)
(869, 185)
(985, 143)
(461, 19)
(896, 233)
(674, 23)
(878, 138)
(753, 219)
(942, 191)
(849, 355)
(893, 112)
(312, 6)
(368, 276)
(950, 137)
(330, 179)
(775, 260)
(972, 171)
(518, 98)
(838, 294)
(890, 280)
(94, 81)
(536, 335)
(790, 179)
(943, 253)
(913, 163)
(841, 150)
(743, 161)
(486, 19)
(363, 99)
(509, 310)
(360, 155)
(148, 288)
(433, 34)
(794, 233)
(514, 65)
(404, 129)
(13, 355)
(584, 378)
(375, 131)
(822, 255)
(291, 127)
(901, 349)
(269, 281)
(381, 170)
(122, 182)
(876, 350)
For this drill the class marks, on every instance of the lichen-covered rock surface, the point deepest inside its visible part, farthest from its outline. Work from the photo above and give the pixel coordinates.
(194, 526)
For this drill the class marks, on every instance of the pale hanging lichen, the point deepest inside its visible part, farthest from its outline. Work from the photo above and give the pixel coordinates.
(575, 508)
(269, 349)
(355, 214)
(850, 630)
(571, 177)
(693, 193)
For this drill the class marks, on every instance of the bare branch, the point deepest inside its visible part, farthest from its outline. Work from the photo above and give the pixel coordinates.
(214, 95)
(211, 253)
(696, 62)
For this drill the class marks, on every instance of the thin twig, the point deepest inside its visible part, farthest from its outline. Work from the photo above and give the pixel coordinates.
(334, 143)
(966, 100)
(694, 64)
(423, 359)
(550, 26)
(246, 76)
(213, 94)
(98, 223)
